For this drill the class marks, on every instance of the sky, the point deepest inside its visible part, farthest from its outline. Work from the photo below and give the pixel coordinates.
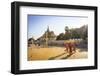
(38, 24)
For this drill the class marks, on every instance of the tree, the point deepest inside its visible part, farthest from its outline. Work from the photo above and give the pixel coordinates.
(66, 29)
(84, 32)
(60, 36)
(84, 35)
(75, 34)
(67, 36)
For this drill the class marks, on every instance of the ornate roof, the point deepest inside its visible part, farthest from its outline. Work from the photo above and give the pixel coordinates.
(48, 34)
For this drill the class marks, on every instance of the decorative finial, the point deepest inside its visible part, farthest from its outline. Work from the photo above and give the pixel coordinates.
(48, 29)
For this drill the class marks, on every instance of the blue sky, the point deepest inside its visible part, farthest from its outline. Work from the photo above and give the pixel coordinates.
(37, 24)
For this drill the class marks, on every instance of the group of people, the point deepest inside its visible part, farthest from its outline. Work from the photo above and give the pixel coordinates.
(70, 47)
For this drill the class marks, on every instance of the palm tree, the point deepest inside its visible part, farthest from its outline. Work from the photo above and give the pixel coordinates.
(66, 29)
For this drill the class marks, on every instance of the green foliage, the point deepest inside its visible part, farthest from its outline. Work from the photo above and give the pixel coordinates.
(66, 29)
(60, 36)
(84, 35)
(75, 33)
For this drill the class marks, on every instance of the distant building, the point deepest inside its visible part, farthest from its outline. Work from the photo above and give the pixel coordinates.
(48, 35)
(30, 41)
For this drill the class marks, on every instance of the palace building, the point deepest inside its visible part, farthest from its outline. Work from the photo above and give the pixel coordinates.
(48, 35)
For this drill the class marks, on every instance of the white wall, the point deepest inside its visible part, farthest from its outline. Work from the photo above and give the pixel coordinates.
(5, 41)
